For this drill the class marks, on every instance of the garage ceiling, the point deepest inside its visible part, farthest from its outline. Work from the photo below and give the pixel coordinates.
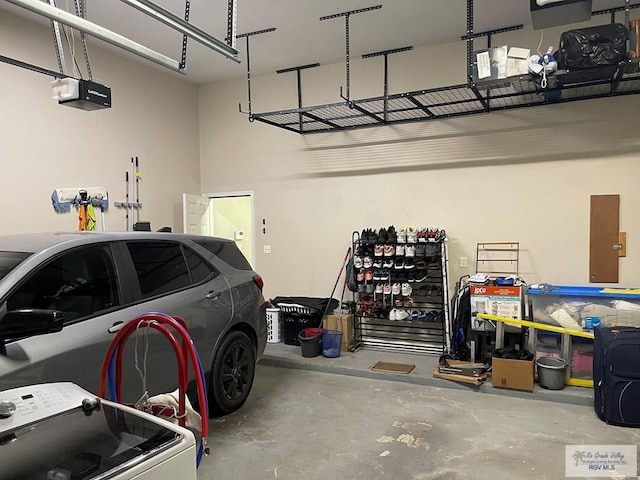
(300, 37)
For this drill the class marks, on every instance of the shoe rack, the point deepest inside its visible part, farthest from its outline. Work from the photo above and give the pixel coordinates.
(402, 296)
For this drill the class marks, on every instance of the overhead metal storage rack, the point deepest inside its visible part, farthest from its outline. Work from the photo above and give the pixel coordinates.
(455, 100)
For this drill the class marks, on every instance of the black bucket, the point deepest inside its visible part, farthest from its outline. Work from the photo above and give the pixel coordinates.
(311, 342)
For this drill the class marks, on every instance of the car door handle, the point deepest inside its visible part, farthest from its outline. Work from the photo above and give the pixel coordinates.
(115, 327)
(212, 295)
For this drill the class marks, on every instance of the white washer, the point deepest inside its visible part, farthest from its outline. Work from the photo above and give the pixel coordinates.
(59, 431)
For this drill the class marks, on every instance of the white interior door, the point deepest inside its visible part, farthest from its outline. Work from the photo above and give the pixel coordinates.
(195, 214)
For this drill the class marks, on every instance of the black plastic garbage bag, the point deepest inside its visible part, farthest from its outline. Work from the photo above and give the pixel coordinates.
(593, 47)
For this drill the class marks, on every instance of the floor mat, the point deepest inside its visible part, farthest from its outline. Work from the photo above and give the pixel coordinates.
(393, 367)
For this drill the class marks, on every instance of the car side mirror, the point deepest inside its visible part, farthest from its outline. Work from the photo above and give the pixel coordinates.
(25, 322)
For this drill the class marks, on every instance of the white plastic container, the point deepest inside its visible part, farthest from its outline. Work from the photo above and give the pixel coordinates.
(274, 326)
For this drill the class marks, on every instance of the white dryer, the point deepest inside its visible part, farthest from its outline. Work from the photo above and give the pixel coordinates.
(59, 431)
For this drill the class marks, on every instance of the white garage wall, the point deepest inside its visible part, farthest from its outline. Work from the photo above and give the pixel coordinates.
(523, 175)
(46, 146)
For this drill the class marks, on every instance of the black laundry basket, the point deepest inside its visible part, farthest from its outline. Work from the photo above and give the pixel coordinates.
(302, 312)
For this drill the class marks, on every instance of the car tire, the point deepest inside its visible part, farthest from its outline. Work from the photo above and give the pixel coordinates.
(232, 373)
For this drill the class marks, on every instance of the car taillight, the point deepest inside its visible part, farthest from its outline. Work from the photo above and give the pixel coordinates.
(257, 279)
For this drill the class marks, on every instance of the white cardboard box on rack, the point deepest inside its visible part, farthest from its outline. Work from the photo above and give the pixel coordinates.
(503, 301)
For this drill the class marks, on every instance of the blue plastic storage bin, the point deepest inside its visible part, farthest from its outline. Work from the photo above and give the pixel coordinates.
(578, 308)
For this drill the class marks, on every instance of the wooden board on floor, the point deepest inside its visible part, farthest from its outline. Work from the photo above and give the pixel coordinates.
(460, 378)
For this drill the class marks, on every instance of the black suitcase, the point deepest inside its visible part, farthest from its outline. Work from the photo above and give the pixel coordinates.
(616, 375)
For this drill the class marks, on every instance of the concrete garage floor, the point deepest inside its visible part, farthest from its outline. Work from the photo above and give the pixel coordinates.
(305, 424)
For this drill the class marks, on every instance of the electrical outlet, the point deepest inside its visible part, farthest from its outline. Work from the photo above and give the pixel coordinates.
(463, 262)
(267, 248)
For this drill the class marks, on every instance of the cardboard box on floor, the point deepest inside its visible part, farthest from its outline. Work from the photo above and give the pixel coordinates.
(515, 374)
(344, 323)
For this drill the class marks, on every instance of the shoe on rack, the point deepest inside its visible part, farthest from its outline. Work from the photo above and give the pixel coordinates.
(410, 251)
(395, 289)
(422, 316)
(392, 314)
(400, 250)
(409, 263)
(368, 275)
(401, 235)
(377, 262)
(379, 288)
(392, 236)
(367, 262)
(440, 236)
(386, 289)
(372, 236)
(420, 275)
(384, 275)
(406, 289)
(421, 264)
(376, 275)
(420, 250)
(401, 314)
(361, 288)
(389, 250)
(382, 236)
(414, 315)
(422, 235)
(378, 250)
(399, 263)
(408, 302)
(411, 277)
(369, 288)
(360, 276)
(412, 235)
(357, 262)
(387, 263)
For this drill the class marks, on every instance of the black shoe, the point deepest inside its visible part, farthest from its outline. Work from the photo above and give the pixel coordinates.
(409, 263)
(392, 237)
(382, 236)
(411, 277)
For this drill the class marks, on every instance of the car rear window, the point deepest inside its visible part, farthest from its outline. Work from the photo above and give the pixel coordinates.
(227, 252)
(10, 260)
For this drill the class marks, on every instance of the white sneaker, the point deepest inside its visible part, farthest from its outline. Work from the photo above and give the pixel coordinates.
(402, 235)
(400, 250)
(392, 314)
(412, 235)
(378, 250)
(379, 288)
(388, 263)
(401, 314)
(386, 289)
(410, 251)
(395, 289)
(357, 262)
(367, 263)
(406, 289)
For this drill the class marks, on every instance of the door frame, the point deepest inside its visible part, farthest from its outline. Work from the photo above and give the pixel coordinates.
(240, 193)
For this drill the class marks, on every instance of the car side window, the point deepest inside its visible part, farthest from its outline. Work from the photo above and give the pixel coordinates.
(200, 270)
(79, 283)
(164, 267)
(160, 267)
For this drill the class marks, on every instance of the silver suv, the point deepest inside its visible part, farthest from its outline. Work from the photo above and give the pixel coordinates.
(63, 296)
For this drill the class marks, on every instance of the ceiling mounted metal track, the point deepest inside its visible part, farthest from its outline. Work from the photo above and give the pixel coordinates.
(454, 100)
(79, 23)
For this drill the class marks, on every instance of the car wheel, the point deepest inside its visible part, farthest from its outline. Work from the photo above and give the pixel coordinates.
(232, 372)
